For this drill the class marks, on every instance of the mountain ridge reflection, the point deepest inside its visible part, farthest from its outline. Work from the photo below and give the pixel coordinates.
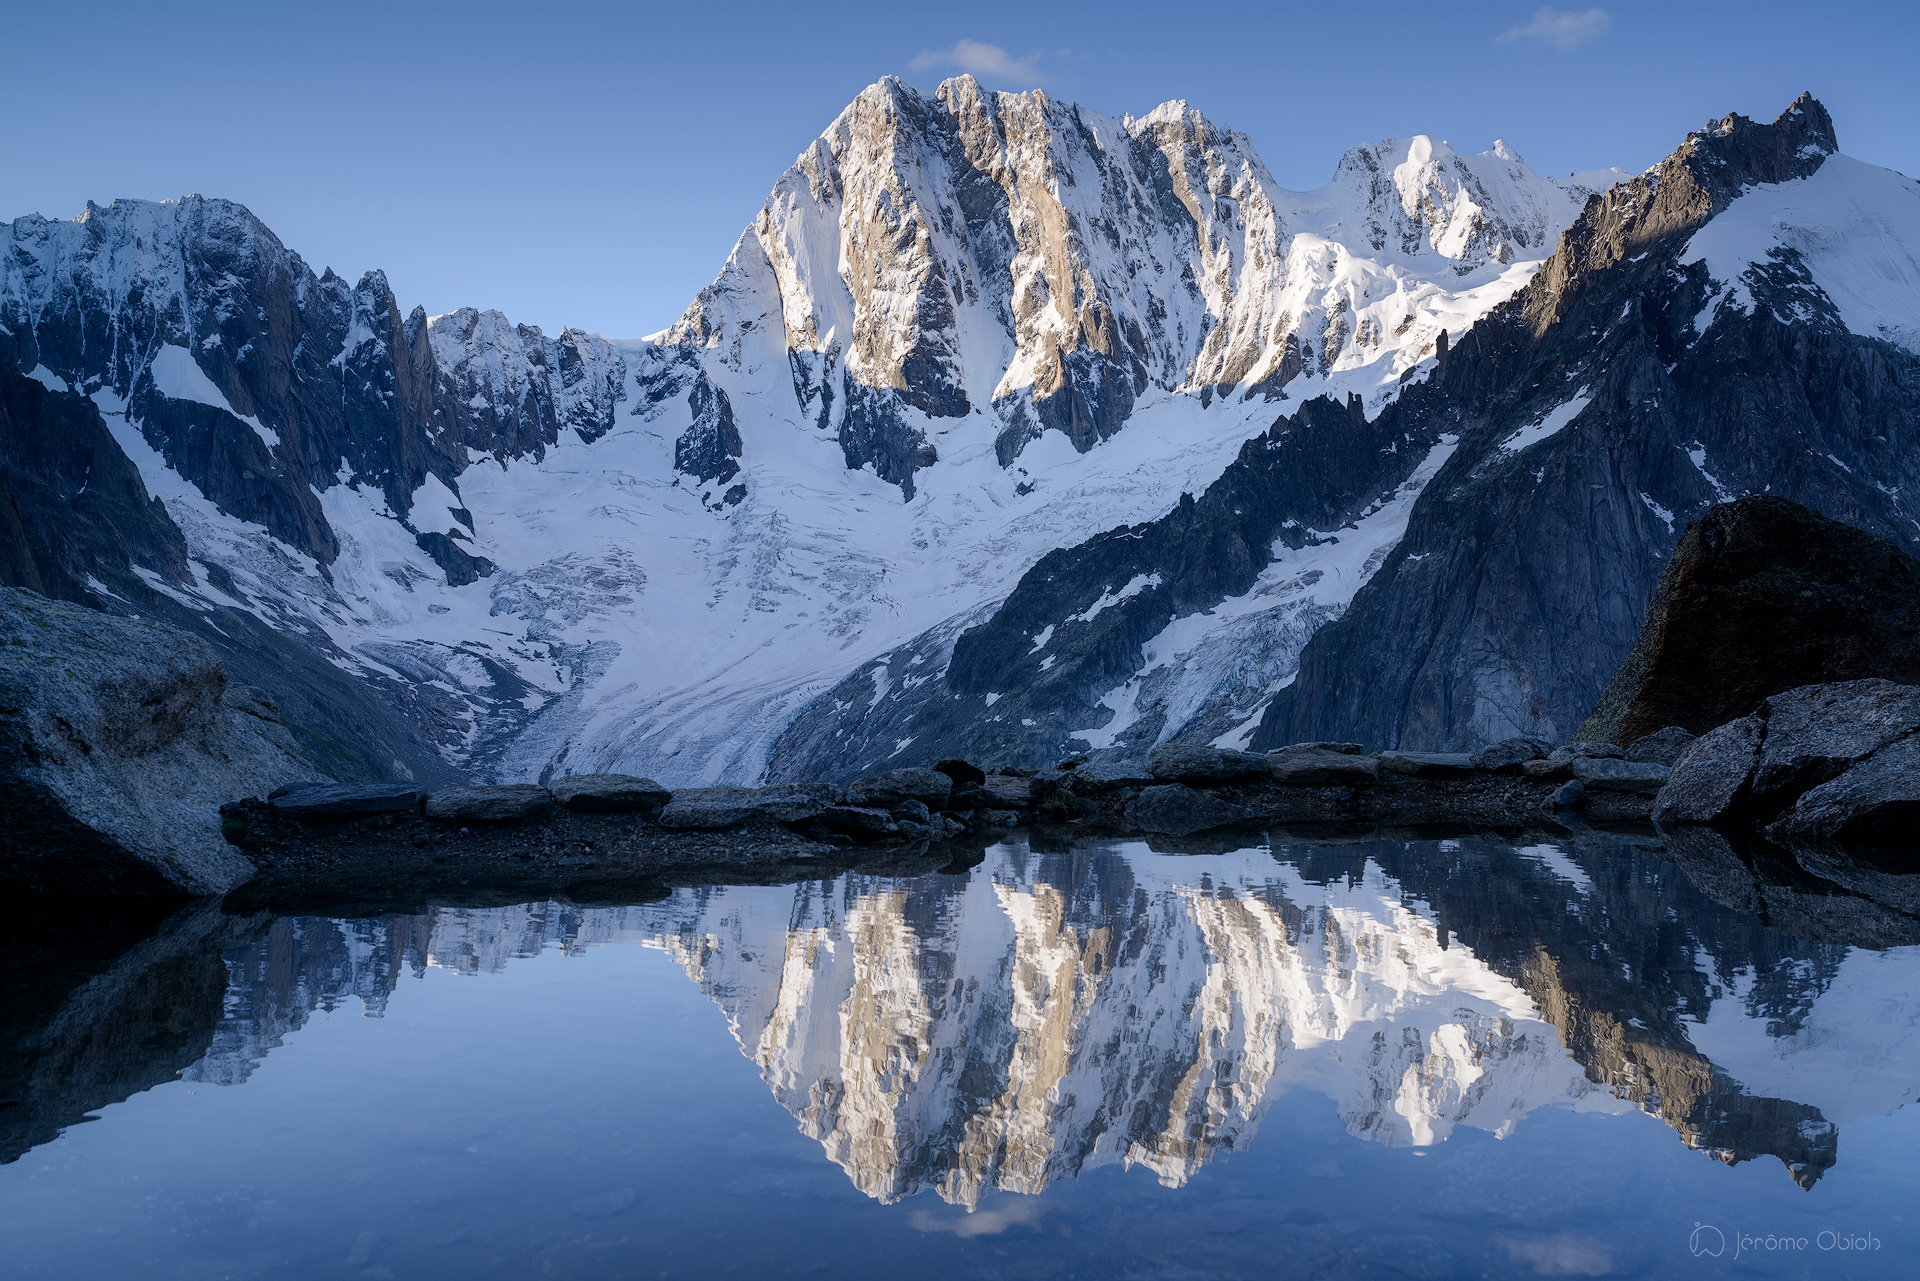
(1050, 1013)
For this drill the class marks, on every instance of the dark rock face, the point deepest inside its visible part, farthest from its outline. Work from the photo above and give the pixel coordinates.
(71, 506)
(1763, 595)
(119, 741)
(1526, 568)
(709, 449)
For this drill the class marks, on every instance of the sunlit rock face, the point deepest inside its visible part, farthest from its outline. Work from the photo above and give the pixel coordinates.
(1051, 1013)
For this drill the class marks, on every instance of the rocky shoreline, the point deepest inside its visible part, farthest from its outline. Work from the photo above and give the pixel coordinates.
(607, 834)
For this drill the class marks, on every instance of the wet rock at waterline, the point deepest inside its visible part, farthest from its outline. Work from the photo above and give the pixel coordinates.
(504, 804)
(1838, 762)
(320, 801)
(1176, 809)
(609, 793)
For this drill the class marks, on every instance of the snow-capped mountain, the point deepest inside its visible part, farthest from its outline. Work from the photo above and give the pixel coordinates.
(965, 330)
(1053, 1013)
(1739, 319)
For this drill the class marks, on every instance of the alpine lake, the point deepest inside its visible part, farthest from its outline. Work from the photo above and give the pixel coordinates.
(1350, 1055)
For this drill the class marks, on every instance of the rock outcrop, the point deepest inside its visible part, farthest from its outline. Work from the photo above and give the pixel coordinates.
(1837, 762)
(1761, 596)
(119, 740)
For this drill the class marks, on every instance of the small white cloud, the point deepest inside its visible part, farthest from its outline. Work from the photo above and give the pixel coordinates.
(1562, 29)
(976, 57)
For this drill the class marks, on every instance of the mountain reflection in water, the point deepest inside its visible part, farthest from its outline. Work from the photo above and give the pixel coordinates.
(1049, 1013)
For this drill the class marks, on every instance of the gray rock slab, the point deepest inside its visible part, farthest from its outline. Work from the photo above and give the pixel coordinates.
(311, 801)
(1316, 768)
(883, 791)
(609, 793)
(503, 804)
(1605, 774)
(1508, 754)
(711, 809)
(1427, 764)
(1711, 776)
(1176, 809)
(1816, 731)
(1186, 763)
(1874, 801)
(1104, 776)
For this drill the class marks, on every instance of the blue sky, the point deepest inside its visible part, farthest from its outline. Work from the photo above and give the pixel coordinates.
(592, 164)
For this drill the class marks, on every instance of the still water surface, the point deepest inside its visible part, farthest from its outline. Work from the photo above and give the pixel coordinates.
(1423, 1059)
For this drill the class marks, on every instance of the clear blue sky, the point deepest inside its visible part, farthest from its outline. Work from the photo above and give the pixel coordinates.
(592, 164)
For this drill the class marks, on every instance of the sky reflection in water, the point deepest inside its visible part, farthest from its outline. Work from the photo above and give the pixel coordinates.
(1425, 1059)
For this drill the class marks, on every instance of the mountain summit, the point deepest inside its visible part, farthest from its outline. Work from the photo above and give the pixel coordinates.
(927, 442)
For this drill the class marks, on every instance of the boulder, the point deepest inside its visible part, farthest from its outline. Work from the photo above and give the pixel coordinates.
(609, 794)
(1605, 774)
(1662, 747)
(712, 809)
(1549, 768)
(1508, 754)
(1761, 596)
(1007, 791)
(1569, 794)
(997, 818)
(1048, 782)
(1186, 763)
(884, 791)
(1104, 776)
(1709, 781)
(312, 802)
(913, 811)
(120, 739)
(505, 804)
(1427, 764)
(1815, 732)
(1345, 749)
(1611, 751)
(961, 772)
(1175, 810)
(856, 821)
(1873, 801)
(1316, 768)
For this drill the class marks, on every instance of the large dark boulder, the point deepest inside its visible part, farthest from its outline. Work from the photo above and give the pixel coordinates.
(1761, 596)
